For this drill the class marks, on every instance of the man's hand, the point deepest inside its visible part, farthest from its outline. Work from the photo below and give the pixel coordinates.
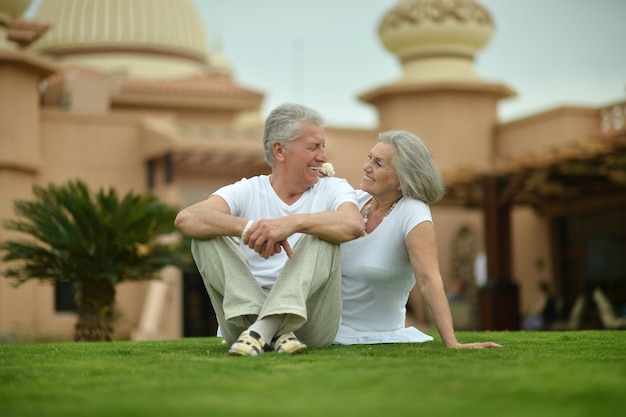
(267, 236)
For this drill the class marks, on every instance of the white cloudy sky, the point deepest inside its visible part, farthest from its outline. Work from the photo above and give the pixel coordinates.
(325, 53)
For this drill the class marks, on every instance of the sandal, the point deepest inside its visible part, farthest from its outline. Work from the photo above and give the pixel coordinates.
(249, 343)
(288, 343)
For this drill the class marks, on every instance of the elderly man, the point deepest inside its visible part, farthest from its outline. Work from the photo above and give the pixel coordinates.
(277, 287)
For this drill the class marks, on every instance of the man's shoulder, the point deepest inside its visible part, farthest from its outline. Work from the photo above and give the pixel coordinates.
(332, 183)
(255, 181)
(243, 187)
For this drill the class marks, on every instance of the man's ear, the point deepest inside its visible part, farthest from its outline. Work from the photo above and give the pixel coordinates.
(279, 151)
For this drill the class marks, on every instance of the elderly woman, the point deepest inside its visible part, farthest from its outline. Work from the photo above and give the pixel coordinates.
(398, 248)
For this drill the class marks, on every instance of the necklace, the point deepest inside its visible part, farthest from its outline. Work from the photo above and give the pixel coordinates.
(366, 213)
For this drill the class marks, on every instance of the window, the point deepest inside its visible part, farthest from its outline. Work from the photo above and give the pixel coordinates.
(64, 297)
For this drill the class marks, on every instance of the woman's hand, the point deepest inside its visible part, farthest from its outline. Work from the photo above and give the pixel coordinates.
(480, 345)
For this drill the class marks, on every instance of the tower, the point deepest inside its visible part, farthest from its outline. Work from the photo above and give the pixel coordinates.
(436, 42)
(440, 97)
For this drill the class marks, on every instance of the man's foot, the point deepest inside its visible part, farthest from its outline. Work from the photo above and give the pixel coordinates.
(249, 343)
(288, 343)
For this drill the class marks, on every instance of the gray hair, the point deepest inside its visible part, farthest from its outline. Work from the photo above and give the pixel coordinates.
(415, 167)
(283, 126)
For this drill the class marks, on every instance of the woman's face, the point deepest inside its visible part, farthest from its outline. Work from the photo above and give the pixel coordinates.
(380, 177)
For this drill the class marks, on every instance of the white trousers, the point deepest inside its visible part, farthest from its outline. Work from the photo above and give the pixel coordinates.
(307, 291)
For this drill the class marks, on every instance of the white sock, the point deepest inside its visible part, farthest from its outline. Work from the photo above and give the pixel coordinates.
(268, 326)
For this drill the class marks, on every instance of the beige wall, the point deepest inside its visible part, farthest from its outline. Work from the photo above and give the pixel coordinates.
(19, 111)
(347, 150)
(19, 164)
(17, 306)
(543, 132)
(102, 150)
(448, 221)
(456, 124)
(531, 257)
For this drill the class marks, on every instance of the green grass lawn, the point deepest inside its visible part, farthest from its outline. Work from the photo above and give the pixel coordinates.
(534, 374)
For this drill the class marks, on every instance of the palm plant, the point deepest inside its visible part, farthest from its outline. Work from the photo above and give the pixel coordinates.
(93, 242)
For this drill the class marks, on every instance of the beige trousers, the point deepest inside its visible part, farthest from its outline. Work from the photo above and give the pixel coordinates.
(307, 291)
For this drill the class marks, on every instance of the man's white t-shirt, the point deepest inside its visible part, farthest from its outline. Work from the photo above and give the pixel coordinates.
(255, 199)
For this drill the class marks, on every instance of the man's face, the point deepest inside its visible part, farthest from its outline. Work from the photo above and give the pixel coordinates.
(306, 155)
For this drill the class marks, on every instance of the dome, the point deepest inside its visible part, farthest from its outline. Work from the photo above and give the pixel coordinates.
(131, 35)
(436, 39)
(9, 11)
(12, 9)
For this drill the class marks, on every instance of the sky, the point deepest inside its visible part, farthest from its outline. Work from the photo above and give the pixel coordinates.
(325, 53)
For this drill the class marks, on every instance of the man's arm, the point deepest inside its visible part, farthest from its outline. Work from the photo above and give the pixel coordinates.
(337, 226)
(266, 236)
(209, 218)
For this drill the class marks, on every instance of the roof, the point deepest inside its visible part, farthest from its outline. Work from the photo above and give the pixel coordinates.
(205, 151)
(218, 91)
(214, 84)
(591, 168)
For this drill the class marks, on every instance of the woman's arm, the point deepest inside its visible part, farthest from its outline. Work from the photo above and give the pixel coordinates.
(421, 244)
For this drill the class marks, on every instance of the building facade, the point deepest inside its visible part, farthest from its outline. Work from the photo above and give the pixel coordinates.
(138, 102)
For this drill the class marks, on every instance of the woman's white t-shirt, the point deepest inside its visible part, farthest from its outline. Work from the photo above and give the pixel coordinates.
(255, 199)
(377, 277)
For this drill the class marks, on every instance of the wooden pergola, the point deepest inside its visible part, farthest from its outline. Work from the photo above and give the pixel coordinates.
(582, 177)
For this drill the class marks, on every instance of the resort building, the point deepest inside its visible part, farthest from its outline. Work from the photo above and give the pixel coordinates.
(126, 94)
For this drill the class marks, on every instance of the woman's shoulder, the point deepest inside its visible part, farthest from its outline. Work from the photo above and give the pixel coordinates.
(411, 203)
(413, 211)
